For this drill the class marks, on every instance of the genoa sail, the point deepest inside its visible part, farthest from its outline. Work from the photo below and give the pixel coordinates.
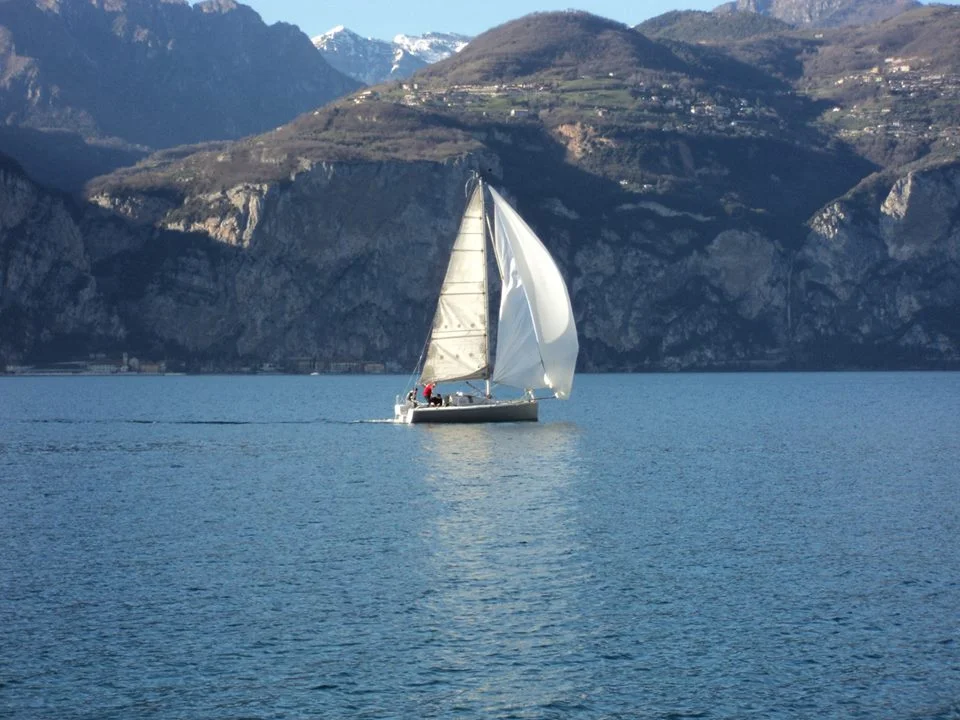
(537, 343)
(458, 348)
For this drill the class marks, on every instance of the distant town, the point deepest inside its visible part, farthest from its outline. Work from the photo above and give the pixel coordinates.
(899, 78)
(102, 364)
(670, 107)
(684, 107)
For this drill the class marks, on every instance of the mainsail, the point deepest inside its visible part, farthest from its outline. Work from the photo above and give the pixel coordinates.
(459, 338)
(536, 338)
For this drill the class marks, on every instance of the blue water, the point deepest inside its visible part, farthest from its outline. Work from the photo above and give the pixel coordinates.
(660, 546)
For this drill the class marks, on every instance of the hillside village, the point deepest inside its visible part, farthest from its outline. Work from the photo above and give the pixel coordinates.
(900, 97)
(676, 107)
(892, 91)
(662, 106)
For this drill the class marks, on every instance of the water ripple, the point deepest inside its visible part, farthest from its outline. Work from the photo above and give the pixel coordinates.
(723, 547)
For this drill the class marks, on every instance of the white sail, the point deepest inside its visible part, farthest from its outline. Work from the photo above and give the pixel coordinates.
(537, 338)
(459, 338)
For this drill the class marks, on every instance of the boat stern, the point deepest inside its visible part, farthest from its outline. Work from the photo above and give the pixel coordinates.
(402, 412)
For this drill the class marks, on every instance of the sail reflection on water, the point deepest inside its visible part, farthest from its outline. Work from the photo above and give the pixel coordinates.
(506, 560)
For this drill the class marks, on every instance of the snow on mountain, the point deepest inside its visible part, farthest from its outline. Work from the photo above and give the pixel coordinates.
(372, 61)
(432, 47)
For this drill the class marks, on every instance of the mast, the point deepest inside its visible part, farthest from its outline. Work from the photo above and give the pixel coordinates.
(486, 285)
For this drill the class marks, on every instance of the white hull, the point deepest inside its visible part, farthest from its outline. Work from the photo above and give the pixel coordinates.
(505, 411)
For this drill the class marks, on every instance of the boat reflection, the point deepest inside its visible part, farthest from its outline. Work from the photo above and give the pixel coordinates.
(506, 569)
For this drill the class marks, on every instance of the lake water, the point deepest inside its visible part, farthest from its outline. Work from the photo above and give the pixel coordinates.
(660, 546)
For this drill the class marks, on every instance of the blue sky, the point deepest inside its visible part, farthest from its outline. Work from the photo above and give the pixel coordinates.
(385, 18)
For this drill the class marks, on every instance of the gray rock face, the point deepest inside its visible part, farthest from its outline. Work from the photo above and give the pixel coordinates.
(749, 271)
(48, 293)
(310, 268)
(884, 280)
(718, 302)
(823, 13)
(314, 268)
(919, 216)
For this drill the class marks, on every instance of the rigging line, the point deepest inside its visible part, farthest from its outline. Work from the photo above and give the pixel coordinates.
(479, 390)
(414, 377)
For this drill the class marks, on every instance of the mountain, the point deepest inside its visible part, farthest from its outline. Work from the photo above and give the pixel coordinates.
(136, 75)
(695, 26)
(373, 61)
(707, 205)
(890, 90)
(544, 46)
(365, 59)
(822, 13)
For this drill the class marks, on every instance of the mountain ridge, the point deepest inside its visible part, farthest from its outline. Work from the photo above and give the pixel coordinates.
(822, 13)
(142, 74)
(707, 207)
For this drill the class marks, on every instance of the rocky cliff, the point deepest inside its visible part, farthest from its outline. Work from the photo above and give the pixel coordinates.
(273, 271)
(878, 280)
(269, 272)
(823, 13)
(50, 303)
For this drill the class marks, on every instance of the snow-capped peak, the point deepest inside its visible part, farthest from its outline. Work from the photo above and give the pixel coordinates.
(432, 47)
(337, 35)
(373, 61)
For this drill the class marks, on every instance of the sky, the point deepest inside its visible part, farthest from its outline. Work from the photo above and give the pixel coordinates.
(383, 19)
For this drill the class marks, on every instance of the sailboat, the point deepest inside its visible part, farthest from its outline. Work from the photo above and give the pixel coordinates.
(536, 339)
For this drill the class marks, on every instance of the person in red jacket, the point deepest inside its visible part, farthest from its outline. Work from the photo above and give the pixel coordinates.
(430, 397)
